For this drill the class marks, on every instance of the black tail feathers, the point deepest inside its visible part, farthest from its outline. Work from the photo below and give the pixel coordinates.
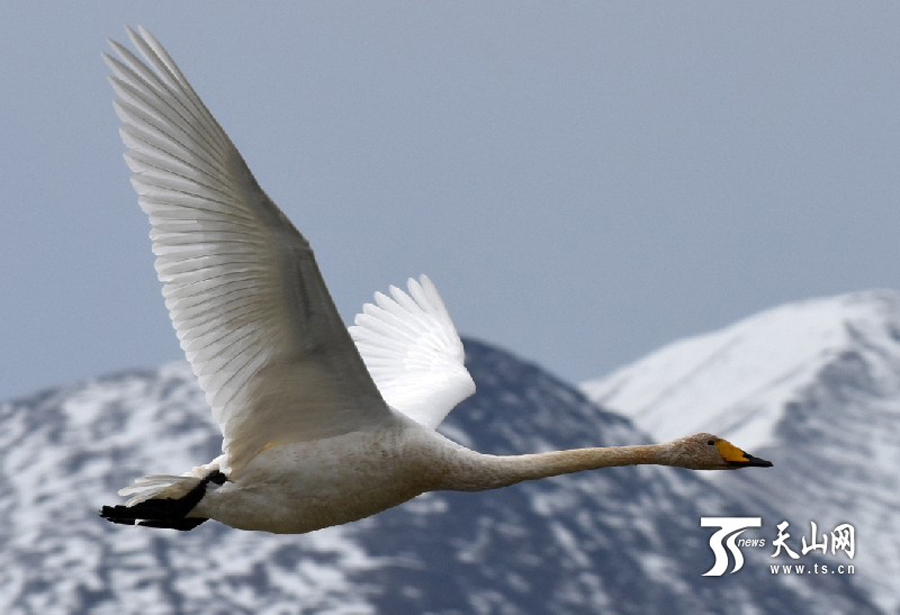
(164, 512)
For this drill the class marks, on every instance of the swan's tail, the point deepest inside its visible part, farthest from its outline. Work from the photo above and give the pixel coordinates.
(163, 501)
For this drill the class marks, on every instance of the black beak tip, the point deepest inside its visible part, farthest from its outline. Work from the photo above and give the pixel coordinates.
(750, 461)
(753, 462)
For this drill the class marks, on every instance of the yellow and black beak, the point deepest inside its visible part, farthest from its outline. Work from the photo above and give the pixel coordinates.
(736, 458)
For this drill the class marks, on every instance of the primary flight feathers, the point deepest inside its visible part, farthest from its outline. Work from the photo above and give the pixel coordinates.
(242, 287)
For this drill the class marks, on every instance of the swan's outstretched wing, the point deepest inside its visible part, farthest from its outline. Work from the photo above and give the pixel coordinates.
(241, 284)
(413, 352)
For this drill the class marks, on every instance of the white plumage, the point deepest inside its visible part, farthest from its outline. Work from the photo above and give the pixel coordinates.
(245, 295)
(317, 430)
(412, 351)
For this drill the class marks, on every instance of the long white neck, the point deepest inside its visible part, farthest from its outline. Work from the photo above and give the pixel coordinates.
(476, 471)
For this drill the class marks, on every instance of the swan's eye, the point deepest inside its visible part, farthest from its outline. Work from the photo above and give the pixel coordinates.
(711, 442)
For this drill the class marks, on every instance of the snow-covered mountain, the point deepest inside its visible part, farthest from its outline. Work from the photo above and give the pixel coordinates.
(815, 387)
(622, 540)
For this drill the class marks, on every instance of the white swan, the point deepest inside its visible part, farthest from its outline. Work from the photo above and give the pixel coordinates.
(318, 430)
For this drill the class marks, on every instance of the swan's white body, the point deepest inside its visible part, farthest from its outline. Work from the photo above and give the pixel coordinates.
(321, 426)
(301, 487)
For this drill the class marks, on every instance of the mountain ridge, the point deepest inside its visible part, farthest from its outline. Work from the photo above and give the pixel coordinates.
(830, 422)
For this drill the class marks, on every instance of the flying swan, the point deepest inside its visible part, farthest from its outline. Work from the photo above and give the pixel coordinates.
(322, 425)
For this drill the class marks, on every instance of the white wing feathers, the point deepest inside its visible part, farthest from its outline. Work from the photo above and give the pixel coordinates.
(241, 284)
(413, 352)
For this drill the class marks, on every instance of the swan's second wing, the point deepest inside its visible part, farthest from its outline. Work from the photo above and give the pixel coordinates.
(241, 284)
(413, 352)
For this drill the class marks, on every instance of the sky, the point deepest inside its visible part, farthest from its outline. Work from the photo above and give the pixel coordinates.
(584, 181)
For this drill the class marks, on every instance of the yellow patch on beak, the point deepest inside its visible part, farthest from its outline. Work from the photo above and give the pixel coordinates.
(730, 452)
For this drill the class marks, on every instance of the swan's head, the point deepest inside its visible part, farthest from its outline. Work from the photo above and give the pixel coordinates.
(705, 451)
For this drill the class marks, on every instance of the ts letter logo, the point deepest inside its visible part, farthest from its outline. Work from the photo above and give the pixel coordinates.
(730, 529)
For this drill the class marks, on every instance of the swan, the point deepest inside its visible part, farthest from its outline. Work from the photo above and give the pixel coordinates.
(321, 424)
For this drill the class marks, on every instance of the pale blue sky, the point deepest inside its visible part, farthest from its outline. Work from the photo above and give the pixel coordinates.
(584, 181)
